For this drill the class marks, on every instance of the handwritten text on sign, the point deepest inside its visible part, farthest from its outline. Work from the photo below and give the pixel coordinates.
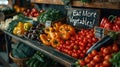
(84, 17)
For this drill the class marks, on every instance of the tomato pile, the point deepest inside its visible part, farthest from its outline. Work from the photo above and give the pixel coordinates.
(78, 44)
(32, 12)
(99, 58)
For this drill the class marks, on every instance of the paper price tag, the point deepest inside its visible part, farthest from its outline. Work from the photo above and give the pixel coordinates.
(48, 24)
(99, 32)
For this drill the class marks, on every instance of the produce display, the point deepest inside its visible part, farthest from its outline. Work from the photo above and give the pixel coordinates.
(56, 33)
(21, 27)
(20, 50)
(21, 22)
(7, 10)
(32, 12)
(64, 38)
(115, 59)
(34, 32)
(100, 58)
(78, 44)
(50, 15)
(40, 60)
(111, 24)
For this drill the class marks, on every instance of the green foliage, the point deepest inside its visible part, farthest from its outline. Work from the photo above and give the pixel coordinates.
(115, 60)
(22, 51)
(50, 15)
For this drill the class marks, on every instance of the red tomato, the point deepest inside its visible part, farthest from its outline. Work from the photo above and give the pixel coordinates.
(79, 38)
(59, 48)
(34, 10)
(106, 63)
(107, 57)
(67, 43)
(75, 55)
(84, 51)
(89, 45)
(87, 48)
(94, 39)
(82, 44)
(88, 36)
(93, 63)
(90, 56)
(82, 55)
(79, 51)
(110, 48)
(106, 51)
(89, 40)
(90, 65)
(76, 42)
(87, 59)
(72, 44)
(76, 37)
(82, 48)
(115, 47)
(94, 52)
(72, 38)
(101, 49)
(97, 65)
(82, 63)
(69, 47)
(97, 58)
(101, 65)
(69, 53)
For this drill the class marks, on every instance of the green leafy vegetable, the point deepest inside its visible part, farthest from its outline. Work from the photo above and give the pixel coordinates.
(50, 15)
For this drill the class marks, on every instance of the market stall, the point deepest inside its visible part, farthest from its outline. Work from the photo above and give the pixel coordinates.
(70, 33)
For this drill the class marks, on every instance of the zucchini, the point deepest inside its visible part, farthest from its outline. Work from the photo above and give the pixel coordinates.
(36, 64)
(39, 58)
(29, 61)
(104, 41)
(32, 62)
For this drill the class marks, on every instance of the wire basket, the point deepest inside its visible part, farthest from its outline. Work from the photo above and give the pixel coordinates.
(21, 62)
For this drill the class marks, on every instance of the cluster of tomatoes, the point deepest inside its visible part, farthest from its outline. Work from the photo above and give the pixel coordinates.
(101, 58)
(32, 12)
(78, 44)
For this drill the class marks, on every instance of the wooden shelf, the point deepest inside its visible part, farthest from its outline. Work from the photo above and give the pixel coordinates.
(60, 57)
(77, 3)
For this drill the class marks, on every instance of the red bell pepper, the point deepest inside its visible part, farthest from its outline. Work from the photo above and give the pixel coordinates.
(116, 27)
(103, 22)
(117, 20)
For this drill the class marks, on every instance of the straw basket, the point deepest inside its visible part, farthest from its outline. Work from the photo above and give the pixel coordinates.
(21, 62)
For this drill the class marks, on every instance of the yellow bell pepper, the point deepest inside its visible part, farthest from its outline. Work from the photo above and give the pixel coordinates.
(27, 26)
(19, 30)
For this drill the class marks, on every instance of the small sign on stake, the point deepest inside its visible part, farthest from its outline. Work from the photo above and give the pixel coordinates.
(99, 32)
(48, 24)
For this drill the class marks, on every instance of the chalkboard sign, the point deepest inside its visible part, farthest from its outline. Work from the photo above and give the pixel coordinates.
(83, 18)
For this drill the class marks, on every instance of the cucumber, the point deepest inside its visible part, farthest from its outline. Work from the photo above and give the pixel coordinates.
(36, 64)
(39, 58)
(32, 62)
(29, 61)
